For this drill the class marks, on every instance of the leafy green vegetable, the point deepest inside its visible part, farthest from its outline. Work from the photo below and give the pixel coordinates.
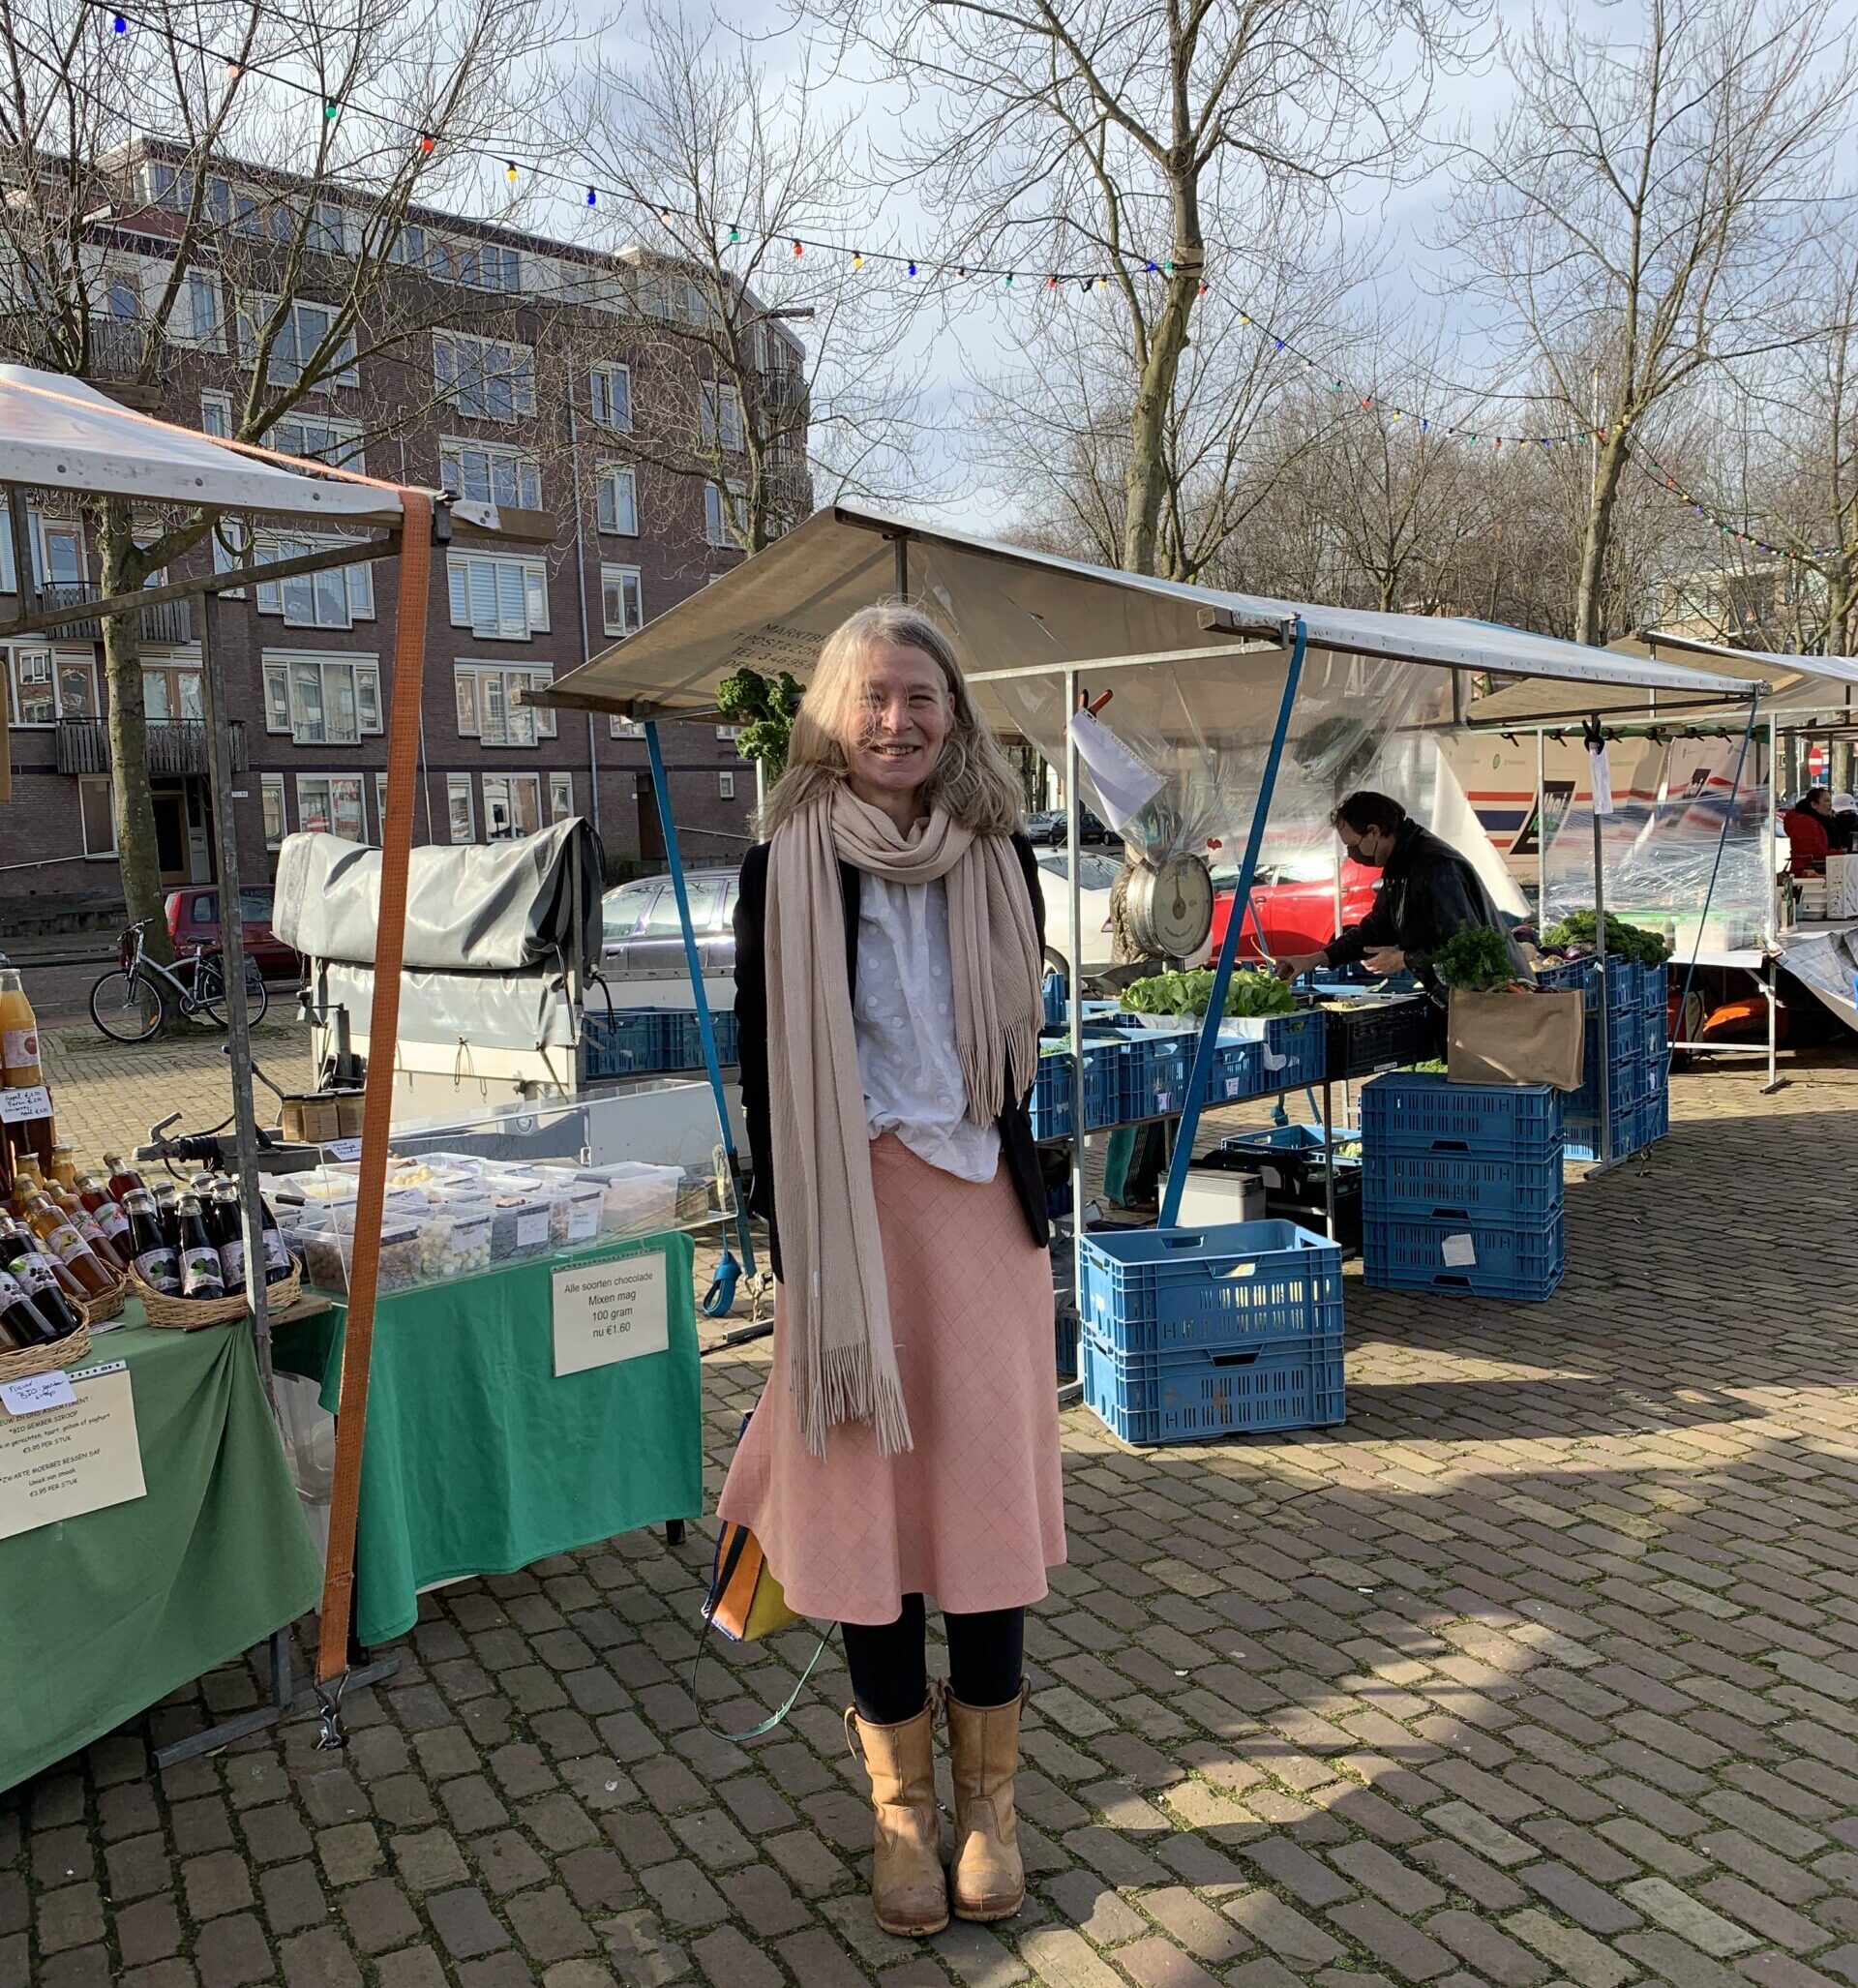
(1475, 958)
(1630, 942)
(1248, 993)
(764, 708)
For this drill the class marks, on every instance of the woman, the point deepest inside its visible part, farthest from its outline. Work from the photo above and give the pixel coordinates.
(889, 959)
(1807, 837)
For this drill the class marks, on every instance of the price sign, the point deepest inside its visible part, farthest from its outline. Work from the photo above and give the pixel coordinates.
(32, 1396)
(610, 1311)
(74, 1456)
(344, 1149)
(29, 1100)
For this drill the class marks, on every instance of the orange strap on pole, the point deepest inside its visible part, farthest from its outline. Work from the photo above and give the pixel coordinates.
(383, 1025)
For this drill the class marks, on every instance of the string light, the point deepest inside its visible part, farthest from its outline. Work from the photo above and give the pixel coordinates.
(913, 266)
(330, 110)
(509, 170)
(118, 25)
(735, 235)
(426, 142)
(593, 197)
(800, 249)
(857, 258)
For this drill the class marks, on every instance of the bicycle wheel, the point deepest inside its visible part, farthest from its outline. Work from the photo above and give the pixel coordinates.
(128, 1010)
(212, 994)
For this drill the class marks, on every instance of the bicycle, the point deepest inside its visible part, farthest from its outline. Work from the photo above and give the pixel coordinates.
(130, 1003)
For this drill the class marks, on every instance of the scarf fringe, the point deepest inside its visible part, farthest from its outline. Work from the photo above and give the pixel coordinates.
(850, 1385)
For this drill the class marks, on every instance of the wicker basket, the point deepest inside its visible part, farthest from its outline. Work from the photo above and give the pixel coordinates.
(101, 1311)
(189, 1314)
(71, 1351)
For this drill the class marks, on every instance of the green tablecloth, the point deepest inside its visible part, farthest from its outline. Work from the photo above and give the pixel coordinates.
(477, 1459)
(102, 1615)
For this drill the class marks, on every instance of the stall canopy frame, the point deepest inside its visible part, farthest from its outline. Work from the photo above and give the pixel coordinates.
(59, 435)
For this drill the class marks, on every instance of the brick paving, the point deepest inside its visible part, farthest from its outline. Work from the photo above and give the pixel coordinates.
(1541, 1671)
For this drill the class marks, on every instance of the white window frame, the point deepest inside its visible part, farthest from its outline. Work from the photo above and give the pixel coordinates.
(483, 587)
(618, 580)
(283, 664)
(498, 717)
(339, 443)
(197, 285)
(510, 781)
(92, 781)
(725, 786)
(716, 526)
(345, 592)
(56, 662)
(273, 785)
(604, 404)
(491, 360)
(380, 810)
(329, 781)
(621, 478)
(517, 468)
(624, 727)
(288, 370)
(461, 786)
(723, 424)
(216, 406)
(560, 798)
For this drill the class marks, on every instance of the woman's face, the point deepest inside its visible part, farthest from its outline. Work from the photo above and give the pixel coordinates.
(899, 722)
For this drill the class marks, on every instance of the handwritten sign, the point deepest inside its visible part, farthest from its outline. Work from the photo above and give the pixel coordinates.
(41, 1392)
(605, 1313)
(63, 1462)
(28, 1101)
(342, 1149)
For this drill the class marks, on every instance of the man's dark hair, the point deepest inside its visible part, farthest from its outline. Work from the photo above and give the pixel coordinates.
(1366, 809)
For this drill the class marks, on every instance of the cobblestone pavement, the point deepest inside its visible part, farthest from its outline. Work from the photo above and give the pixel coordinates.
(1543, 1670)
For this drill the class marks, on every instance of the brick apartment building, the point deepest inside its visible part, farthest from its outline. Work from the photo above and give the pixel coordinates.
(543, 414)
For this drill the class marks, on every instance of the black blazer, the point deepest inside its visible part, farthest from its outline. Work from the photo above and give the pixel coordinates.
(1018, 1148)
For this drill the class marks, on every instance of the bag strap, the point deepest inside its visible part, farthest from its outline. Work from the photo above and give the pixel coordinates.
(768, 1724)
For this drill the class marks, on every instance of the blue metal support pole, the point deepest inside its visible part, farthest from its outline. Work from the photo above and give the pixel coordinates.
(723, 1292)
(1204, 1048)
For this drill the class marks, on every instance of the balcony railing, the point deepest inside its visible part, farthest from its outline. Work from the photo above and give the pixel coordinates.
(175, 746)
(168, 620)
(115, 352)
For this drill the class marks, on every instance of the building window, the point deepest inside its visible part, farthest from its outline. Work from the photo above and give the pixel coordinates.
(729, 733)
(380, 810)
(305, 330)
(725, 786)
(610, 396)
(321, 700)
(171, 693)
(504, 598)
(512, 806)
(199, 315)
(330, 804)
(490, 706)
(35, 687)
(623, 601)
(325, 229)
(98, 814)
(720, 512)
(458, 806)
(722, 416)
(320, 436)
(271, 792)
(560, 797)
(484, 473)
(335, 598)
(61, 551)
(489, 379)
(216, 416)
(78, 686)
(616, 497)
(479, 265)
(624, 727)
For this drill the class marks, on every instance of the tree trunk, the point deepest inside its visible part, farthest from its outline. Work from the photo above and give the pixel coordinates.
(131, 797)
(1597, 540)
(1145, 482)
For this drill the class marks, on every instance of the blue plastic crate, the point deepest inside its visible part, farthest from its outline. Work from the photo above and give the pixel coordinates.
(1238, 1069)
(1414, 1112)
(1436, 1186)
(1195, 1395)
(1057, 1002)
(1654, 989)
(1155, 1066)
(1507, 1260)
(1627, 1080)
(684, 1037)
(1654, 1120)
(1065, 1336)
(630, 1042)
(1625, 982)
(1581, 1136)
(1105, 1058)
(1297, 1152)
(1049, 1105)
(1162, 1290)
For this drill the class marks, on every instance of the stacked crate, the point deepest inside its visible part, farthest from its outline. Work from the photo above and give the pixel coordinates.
(1633, 1110)
(1188, 1335)
(1461, 1187)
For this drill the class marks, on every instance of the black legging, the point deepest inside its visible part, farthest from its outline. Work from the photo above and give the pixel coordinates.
(891, 1671)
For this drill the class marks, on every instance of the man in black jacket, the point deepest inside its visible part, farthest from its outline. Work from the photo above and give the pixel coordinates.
(1428, 891)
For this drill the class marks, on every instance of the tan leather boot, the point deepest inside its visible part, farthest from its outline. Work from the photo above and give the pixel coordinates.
(986, 1880)
(909, 1891)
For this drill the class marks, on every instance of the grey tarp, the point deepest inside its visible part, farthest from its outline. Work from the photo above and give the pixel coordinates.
(510, 1010)
(499, 907)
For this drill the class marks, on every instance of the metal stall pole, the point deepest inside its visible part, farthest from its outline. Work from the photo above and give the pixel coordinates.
(1074, 906)
(1294, 637)
(1541, 831)
(1771, 940)
(1596, 746)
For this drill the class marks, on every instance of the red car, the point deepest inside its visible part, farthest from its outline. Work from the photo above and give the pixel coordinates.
(193, 919)
(1295, 903)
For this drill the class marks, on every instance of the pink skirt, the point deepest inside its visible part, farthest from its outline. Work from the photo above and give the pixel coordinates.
(972, 1515)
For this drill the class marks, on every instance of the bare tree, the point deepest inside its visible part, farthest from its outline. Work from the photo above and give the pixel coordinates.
(733, 170)
(1639, 212)
(163, 193)
(1140, 138)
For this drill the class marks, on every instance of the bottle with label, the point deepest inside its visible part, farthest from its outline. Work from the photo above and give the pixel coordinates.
(19, 1066)
(123, 1178)
(16, 1239)
(88, 1227)
(155, 1263)
(62, 1240)
(225, 1220)
(22, 1325)
(28, 1182)
(39, 1275)
(277, 1253)
(64, 1165)
(200, 1276)
(109, 1213)
(168, 1214)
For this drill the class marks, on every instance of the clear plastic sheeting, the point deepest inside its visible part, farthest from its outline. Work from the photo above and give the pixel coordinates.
(1206, 726)
(1677, 803)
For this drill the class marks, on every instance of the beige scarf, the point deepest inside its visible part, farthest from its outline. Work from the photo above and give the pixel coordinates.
(841, 1361)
